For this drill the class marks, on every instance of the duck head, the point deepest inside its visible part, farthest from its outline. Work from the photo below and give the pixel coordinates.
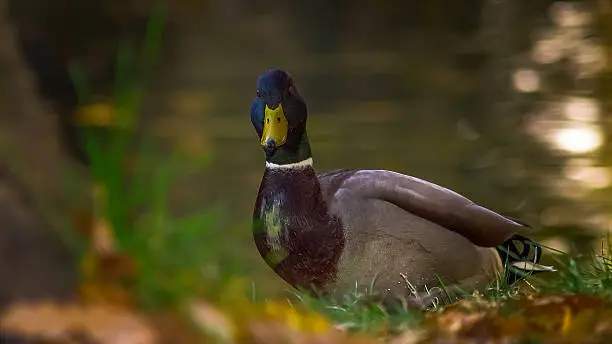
(278, 114)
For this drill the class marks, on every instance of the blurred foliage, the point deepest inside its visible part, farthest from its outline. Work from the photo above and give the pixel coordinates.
(574, 308)
(136, 244)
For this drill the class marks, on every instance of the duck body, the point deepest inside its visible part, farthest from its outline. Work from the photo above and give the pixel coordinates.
(334, 231)
(371, 230)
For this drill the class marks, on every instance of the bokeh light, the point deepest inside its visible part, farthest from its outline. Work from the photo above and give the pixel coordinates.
(582, 109)
(526, 80)
(578, 138)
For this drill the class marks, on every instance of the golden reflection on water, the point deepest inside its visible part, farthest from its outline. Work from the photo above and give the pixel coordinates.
(583, 171)
(578, 138)
(581, 109)
(570, 121)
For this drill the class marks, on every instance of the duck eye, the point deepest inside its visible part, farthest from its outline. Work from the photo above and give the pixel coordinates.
(258, 94)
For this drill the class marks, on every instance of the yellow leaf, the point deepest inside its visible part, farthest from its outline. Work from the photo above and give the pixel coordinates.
(234, 298)
(302, 321)
(567, 320)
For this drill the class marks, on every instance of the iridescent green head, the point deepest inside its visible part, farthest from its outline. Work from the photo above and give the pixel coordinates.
(279, 114)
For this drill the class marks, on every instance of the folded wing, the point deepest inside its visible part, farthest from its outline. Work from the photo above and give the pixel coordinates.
(442, 206)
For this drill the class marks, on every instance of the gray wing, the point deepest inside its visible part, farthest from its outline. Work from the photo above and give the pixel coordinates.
(434, 203)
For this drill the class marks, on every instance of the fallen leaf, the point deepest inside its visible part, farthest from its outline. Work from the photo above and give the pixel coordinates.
(305, 321)
(409, 337)
(54, 322)
(212, 321)
(267, 332)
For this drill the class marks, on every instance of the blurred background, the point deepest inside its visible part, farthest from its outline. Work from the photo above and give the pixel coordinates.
(506, 102)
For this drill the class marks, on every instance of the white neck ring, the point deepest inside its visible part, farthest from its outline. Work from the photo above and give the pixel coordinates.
(293, 165)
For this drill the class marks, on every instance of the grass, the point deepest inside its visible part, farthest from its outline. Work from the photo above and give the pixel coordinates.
(540, 309)
(589, 275)
(358, 312)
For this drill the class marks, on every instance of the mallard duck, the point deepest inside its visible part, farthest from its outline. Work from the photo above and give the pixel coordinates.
(379, 231)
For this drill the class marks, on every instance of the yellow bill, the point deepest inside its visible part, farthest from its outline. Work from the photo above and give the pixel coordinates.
(275, 126)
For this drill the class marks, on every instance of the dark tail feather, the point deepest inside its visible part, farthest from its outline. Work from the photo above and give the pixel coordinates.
(521, 257)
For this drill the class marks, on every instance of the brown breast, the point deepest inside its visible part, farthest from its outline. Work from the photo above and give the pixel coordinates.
(294, 232)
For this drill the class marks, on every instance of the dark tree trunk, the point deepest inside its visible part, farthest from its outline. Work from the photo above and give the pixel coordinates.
(34, 263)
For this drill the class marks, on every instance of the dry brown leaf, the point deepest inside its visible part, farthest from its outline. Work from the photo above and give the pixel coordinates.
(172, 328)
(105, 277)
(212, 321)
(604, 326)
(557, 302)
(457, 321)
(54, 322)
(409, 337)
(107, 294)
(276, 332)
(551, 318)
(117, 266)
